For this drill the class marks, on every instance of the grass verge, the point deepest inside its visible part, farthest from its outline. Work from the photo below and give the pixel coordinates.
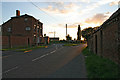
(31, 48)
(98, 67)
(22, 49)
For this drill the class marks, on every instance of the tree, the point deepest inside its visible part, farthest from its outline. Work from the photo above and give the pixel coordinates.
(68, 37)
(87, 32)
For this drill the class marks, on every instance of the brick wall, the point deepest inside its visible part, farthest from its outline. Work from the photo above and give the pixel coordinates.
(118, 39)
(105, 41)
(19, 36)
(19, 26)
(16, 41)
(98, 44)
(5, 41)
(110, 40)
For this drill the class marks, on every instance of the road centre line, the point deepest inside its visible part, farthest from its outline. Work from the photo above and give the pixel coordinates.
(10, 69)
(43, 56)
(37, 58)
(32, 60)
(53, 51)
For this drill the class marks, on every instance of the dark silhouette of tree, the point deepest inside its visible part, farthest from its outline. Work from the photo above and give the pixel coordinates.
(79, 33)
(87, 32)
(68, 37)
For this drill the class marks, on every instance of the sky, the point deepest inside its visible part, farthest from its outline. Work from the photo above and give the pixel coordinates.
(56, 14)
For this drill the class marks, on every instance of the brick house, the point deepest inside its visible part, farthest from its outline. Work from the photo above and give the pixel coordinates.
(105, 41)
(22, 30)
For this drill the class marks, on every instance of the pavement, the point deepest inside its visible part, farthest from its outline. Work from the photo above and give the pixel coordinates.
(55, 61)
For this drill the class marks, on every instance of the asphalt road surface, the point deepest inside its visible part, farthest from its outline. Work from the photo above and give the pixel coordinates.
(55, 61)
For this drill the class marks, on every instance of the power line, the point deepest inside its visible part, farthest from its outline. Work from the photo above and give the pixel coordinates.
(44, 13)
(42, 10)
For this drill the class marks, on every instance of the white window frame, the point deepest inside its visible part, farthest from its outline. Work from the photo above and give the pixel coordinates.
(9, 29)
(27, 28)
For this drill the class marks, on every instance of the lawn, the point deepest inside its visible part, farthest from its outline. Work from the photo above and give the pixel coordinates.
(99, 67)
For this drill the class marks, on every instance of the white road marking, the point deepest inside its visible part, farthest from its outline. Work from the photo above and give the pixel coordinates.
(11, 69)
(43, 56)
(53, 51)
(37, 58)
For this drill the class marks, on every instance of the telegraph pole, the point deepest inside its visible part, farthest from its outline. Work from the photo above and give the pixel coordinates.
(54, 34)
(66, 29)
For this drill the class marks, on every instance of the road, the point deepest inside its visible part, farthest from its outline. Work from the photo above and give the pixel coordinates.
(55, 61)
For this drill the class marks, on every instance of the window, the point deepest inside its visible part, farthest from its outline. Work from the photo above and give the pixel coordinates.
(40, 36)
(34, 29)
(38, 30)
(116, 19)
(40, 27)
(34, 39)
(37, 26)
(27, 28)
(9, 29)
(34, 35)
(41, 30)
(26, 19)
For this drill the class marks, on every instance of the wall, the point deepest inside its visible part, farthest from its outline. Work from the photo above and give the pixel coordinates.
(105, 41)
(16, 41)
(110, 40)
(5, 41)
(19, 36)
(118, 39)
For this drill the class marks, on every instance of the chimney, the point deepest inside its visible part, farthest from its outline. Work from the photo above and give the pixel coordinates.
(17, 13)
(66, 29)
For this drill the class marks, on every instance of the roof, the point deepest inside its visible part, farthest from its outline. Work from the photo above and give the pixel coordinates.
(25, 15)
(115, 14)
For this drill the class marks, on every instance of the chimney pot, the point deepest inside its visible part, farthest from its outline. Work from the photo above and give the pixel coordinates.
(17, 13)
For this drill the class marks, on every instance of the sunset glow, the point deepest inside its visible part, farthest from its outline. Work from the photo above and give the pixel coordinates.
(54, 15)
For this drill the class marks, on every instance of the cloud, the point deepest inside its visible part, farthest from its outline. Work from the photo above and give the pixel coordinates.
(113, 3)
(51, 9)
(68, 25)
(50, 32)
(107, 13)
(85, 1)
(60, 8)
(97, 19)
(74, 25)
(94, 5)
